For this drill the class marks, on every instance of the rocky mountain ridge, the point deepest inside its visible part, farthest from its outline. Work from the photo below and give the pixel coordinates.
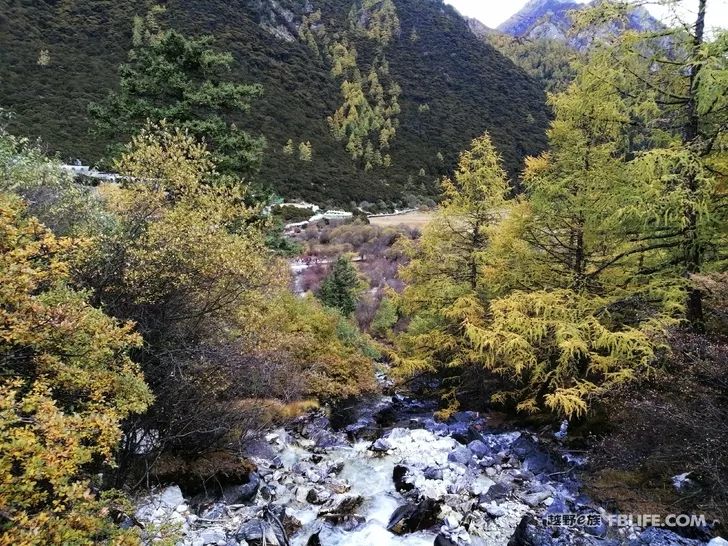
(550, 19)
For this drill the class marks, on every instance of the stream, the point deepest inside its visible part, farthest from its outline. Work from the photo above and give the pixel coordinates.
(388, 473)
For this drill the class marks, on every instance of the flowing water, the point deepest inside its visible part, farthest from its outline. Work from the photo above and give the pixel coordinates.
(338, 486)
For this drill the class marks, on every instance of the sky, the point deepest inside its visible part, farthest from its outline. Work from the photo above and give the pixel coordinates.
(494, 12)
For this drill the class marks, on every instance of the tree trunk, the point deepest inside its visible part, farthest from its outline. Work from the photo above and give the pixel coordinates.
(692, 253)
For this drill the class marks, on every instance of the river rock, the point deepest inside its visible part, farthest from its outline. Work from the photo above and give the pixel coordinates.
(381, 445)
(400, 474)
(443, 540)
(538, 462)
(326, 439)
(497, 491)
(172, 497)
(479, 449)
(218, 510)
(436, 427)
(340, 506)
(412, 517)
(558, 506)
(493, 510)
(463, 432)
(454, 532)
(481, 485)
(465, 416)
(161, 505)
(302, 493)
(256, 532)
(258, 448)
(654, 536)
(239, 494)
(318, 495)
(536, 498)
(213, 535)
(486, 462)
(363, 429)
(534, 459)
(335, 467)
(529, 533)
(460, 455)
(339, 486)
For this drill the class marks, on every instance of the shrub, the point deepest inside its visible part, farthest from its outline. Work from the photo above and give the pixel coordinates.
(181, 257)
(330, 358)
(67, 384)
(385, 319)
(291, 214)
(674, 423)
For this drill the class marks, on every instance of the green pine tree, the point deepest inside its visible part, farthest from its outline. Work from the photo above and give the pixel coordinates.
(169, 76)
(340, 288)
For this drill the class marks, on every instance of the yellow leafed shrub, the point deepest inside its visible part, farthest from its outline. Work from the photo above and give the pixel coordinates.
(67, 382)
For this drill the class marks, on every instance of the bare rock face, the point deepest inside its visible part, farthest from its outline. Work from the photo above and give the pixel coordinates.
(278, 20)
(549, 19)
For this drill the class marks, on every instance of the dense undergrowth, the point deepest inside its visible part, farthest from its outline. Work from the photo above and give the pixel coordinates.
(127, 330)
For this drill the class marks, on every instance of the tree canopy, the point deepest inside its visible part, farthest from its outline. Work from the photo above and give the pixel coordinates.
(169, 76)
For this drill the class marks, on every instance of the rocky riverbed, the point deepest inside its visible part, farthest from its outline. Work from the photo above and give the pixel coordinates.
(395, 476)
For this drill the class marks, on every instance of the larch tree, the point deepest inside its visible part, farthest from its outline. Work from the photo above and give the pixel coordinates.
(569, 229)
(679, 75)
(569, 317)
(305, 151)
(444, 274)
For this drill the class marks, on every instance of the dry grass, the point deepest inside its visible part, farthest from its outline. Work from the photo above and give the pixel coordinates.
(416, 220)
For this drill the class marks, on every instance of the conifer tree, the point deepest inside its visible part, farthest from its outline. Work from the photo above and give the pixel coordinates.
(305, 151)
(341, 287)
(288, 148)
(563, 266)
(445, 267)
(171, 77)
(676, 79)
(570, 225)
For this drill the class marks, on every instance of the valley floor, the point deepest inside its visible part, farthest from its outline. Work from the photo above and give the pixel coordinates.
(395, 476)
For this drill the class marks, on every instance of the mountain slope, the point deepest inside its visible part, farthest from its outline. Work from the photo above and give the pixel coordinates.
(453, 86)
(550, 19)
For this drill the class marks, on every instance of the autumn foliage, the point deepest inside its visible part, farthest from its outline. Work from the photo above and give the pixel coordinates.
(67, 383)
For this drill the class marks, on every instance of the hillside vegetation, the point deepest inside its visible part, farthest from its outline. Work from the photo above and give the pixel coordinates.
(57, 57)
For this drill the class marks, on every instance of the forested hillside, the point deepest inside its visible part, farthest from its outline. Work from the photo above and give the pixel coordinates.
(57, 57)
